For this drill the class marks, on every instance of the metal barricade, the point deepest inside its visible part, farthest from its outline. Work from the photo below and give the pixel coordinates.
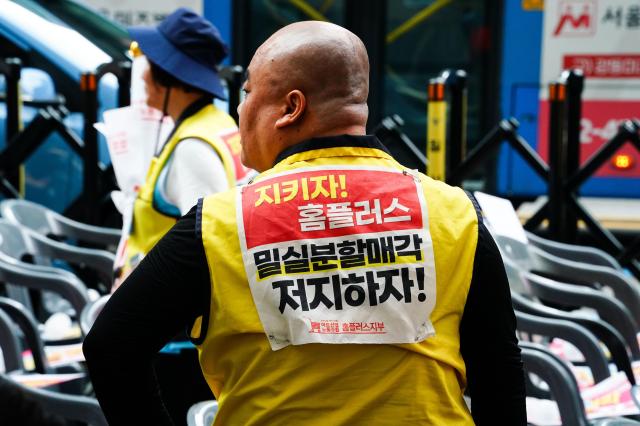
(447, 123)
(446, 138)
(564, 176)
(21, 144)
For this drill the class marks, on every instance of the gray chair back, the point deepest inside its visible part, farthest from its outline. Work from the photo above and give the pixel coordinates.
(47, 222)
(202, 413)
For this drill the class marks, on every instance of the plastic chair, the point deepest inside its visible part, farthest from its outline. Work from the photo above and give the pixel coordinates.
(626, 288)
(617, 311)
(53, 225)
(604, 332)
(20, 243)
(29, 328)
(70, 407)
(30, 334)
(564, 263)
(523, 301)
(90, 313)
(575, 253)
(11, 354)
(563, 386)
(535, 260)
(24, 276)
(585, 341)
(202, 413)
(608, 308)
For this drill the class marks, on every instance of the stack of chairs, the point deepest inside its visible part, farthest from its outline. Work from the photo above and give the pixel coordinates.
(202, 413)
(559, 291)
(39, 250)
(578, 294)
(44, 265)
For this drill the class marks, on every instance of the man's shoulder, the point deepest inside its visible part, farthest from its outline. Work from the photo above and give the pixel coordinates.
(452, 200)
(224, 197)
(441, 188)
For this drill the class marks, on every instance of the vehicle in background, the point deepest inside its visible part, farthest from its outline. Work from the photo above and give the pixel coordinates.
(419, 38)
(499, 45)
(521, 85)
(55, 49)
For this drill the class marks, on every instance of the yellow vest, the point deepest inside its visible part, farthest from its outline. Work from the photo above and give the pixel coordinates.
(337, 384)
(149, 224)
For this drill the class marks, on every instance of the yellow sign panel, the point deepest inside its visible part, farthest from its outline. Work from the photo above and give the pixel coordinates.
(436, 139)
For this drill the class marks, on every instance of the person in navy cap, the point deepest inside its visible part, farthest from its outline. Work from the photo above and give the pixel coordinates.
(201, 156)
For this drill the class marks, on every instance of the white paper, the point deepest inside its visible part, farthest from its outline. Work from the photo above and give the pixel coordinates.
(57, 355)
(132, 134)
(501, 215)
(35, 380)
(610, 398)
(542, 412)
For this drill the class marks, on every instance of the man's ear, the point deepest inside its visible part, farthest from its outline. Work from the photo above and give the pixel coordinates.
(295, 106)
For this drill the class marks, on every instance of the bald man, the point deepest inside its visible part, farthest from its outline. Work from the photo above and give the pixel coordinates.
(337, 288)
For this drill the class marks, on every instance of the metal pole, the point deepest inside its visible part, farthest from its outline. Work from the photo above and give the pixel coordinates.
(456, 89)
(233, 76)
(88, 86)
(124, 83)
(436, 130)
(12, 79)
(574, 81)
(557, 160)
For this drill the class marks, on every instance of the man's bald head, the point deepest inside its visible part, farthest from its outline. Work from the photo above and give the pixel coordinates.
(309, 79)
(327, 62)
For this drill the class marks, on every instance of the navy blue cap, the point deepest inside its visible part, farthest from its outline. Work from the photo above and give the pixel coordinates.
(188, 47)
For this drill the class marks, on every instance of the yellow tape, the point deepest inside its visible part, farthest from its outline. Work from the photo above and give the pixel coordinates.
(309, 10)
(436, 139)
(416, 20)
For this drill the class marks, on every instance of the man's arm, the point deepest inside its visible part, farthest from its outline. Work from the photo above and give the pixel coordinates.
(488, 341)
(165, 293)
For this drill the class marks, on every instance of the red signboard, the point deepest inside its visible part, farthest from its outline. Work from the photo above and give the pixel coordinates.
(600, 122)
(605, 66)
(329, 203)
